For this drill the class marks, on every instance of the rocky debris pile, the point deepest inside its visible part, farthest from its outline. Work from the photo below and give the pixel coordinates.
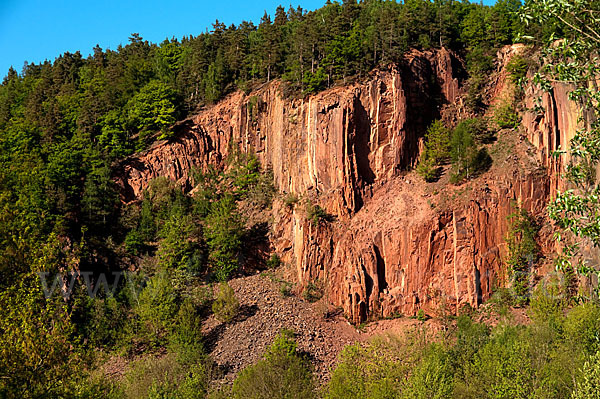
(264, 312)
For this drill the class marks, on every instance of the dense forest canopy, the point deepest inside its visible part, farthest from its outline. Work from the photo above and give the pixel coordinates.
(64, 124)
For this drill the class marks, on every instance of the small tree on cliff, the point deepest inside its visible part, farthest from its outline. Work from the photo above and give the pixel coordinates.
(436, 152)
(224, 236)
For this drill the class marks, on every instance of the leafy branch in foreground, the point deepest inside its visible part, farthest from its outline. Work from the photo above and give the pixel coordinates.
(570, 56)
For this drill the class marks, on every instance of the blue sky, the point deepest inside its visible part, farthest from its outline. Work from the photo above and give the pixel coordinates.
(35, 30)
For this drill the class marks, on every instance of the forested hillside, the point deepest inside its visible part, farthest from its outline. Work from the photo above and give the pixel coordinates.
(66, 124)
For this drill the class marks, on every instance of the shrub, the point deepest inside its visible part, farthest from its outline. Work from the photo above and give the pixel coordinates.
(157, 305)
(517, 68)
(285, 289)
(187, 331)
(437, 145)
(224, 237)
(225, 306)
(107, 322)
(134, 243)
(480, 62)
(179, 247)
(467, 160)
(290, 200)
(523, 252)
(500, 368)
(314, 213)
(274, 261)
(587, 387)
(436, 151)
(421, 316)
(312, 293)
(282, 374)
(428, 170)
(582, 327)
(371, 371)
(166, 376)
(433, 376)
(505, 116)
(477, 128)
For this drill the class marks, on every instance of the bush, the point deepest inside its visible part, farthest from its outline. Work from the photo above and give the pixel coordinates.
(500, 368)
(523, 252)
(428, 170)
(433, 376)
(157, 305)
(224, 237)
(225, 306)
(371, 371)
(436, 151)
(312, 293)
(282, 374)
(477, 128)
(582, 327)
(588, 386)
(290, 200)
(314, 213)
(107, 322)
(421, 316)
(505, 116)
(517, 68)
(437, 145)
(134, 243)
(180, 247)
(166, 377)
(467, 160)
(274, 261)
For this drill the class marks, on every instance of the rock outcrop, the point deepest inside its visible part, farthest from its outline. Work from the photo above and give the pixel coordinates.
(337, 143)
(388, 251)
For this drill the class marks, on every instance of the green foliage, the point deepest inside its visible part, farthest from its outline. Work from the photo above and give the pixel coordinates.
(134, 243)
(315, 214)
(312, 292)
(433, 376)
(283, 373)
(156, 307)
(153, 108)
(543, 359)
(436, 152)
(290, 200)
(178, 248)
(587, 388)
(421, 316)
(517, 68)
(225, 306)
(477, 128)
(37, 354)
(437, 145)
(223, 235)
(523, 252)
(506, 116)
(107, 326)
(374, 371)
(572, 59)
(480, 64)
(274, 261)
(167, 376)
(467, 160)
(428, 170)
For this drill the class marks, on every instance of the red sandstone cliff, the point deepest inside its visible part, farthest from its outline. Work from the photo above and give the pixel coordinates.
(389, 250)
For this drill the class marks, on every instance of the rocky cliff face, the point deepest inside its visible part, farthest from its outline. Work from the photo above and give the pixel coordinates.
(389, 250)
(336, 143)
(550, 122)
